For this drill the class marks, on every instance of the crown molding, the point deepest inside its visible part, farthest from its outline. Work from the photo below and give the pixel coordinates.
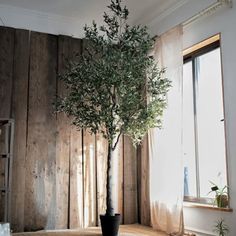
(159, 16)
(155, 15)
(19, 17)
(209, 10)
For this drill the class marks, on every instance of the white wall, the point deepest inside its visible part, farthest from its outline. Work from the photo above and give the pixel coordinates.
(224, 22)
(42, 22)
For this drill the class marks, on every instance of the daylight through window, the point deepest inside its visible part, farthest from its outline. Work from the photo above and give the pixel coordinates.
(203, 124)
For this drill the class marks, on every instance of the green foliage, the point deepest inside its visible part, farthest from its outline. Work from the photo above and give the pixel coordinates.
(218, 191)
(221, 228)
(221, 195)
(109, 87)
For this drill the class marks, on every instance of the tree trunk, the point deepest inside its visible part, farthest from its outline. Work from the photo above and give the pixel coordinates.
(109, 201)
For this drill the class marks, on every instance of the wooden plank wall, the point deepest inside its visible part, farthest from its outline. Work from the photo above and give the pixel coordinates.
(130, 183)
(143, 183)
(6, 68)
(62, 145)
(40, 180)
(59, 173)
(19, 113)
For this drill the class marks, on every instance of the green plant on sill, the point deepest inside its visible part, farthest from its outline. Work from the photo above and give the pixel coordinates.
(221, 228)
(221, 195)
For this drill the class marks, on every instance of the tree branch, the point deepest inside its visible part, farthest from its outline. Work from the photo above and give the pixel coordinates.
(117, 141)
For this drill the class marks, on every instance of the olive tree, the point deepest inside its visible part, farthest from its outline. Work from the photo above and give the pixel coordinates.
(116, 87)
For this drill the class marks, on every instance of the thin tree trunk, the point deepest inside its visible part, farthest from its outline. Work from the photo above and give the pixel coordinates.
(109, 202)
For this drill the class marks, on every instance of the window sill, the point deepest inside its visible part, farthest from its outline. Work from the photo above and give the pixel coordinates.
(205, 206)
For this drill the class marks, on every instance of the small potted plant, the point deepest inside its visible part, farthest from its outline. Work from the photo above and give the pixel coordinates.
(221, 228)
(221, 195)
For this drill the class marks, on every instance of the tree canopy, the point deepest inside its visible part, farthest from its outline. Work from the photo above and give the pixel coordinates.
(116, 87)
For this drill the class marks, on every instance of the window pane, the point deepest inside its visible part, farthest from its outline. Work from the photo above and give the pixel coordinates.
(188, 133)
(210, 122)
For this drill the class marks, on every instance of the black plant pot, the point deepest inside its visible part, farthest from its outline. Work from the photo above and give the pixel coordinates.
(110, 224)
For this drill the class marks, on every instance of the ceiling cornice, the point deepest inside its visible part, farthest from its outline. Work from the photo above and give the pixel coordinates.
(157, 16)
(209, 10)
(148, 19)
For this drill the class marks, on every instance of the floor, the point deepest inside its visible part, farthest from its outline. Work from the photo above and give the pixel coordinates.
(125, 230)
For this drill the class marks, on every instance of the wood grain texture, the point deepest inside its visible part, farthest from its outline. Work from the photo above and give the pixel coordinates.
(76, 202)
(125, 230)
(118, 167)
(62, 143)
(101, 165)
(90, 171)
(76, 189)
(19, 114)
(40, 198)
(90, 214)
(59, 178)
(130, 183)
(120, 178)
(144, 191)
(6, 72)
(2, 179)
(117, 188)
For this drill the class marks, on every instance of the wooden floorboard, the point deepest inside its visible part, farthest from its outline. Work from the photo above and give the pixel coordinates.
(125, 230)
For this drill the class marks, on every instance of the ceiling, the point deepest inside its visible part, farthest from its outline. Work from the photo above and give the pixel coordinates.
(88, 10)
(68, 17)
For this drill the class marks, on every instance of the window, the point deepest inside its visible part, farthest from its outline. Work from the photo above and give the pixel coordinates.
(203, 123)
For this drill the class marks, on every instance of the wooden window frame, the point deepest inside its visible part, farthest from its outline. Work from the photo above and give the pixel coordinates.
(191, 54)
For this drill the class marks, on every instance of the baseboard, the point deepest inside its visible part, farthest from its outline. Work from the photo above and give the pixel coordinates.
(198, 232)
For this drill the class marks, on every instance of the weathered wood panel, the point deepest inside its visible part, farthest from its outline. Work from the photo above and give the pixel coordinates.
(40, 198)
(76, 203)
(90, 214)
(89, 178)
(62, 143)
(120, 180)
(101, 165)
(69, 149)
(144, 191)
(19, 114)
(59, 177)
(118, 170)
(101, 160)
(6, 71)
(130, 183)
